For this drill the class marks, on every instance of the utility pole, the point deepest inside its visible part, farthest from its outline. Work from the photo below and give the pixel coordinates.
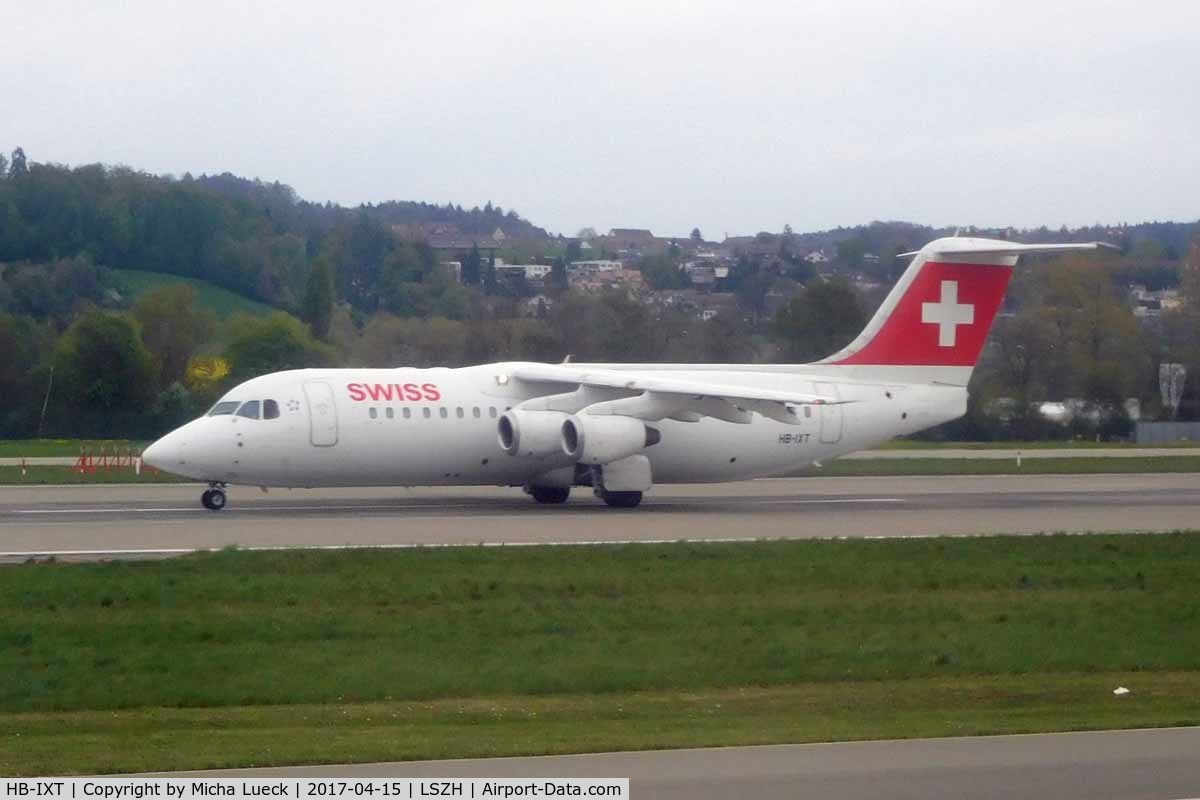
(46, 402)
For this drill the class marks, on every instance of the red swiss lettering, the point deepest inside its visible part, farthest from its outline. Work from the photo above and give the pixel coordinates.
(410, 392)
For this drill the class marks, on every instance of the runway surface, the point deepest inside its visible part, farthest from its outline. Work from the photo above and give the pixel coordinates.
(134, 521)
(1150, 764)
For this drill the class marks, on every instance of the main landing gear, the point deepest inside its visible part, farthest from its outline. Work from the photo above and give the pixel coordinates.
(214, 498)
(549, 495)
(621, 499)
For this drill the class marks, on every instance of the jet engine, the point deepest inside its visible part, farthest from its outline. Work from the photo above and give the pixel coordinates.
(595, 439)
(531, 433)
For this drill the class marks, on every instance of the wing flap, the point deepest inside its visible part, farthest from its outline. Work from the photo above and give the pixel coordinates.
(639, 382)
(651, 397)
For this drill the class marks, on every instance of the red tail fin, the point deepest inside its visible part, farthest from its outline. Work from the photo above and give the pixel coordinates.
(940, 311)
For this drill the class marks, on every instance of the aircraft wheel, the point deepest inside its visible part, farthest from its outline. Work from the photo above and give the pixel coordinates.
(623, 499)
(213, 499)
(549, 494)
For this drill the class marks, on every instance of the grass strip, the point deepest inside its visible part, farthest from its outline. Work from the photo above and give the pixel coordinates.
(995, 633)
(65, 476)
(1070, 465)
(161, 739)
(64, 448)
(1050, 444)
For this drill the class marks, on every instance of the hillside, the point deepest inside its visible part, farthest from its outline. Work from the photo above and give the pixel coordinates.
(132, 284)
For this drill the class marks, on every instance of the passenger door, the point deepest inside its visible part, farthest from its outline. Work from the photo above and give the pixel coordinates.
(322, 414)
(831, 415)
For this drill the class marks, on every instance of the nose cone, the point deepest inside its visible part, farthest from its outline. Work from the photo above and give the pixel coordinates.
(167, 453)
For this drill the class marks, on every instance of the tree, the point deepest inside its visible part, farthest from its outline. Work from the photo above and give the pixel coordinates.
(173, 407)
(489, 276)
(818, 320)
(18, 165)
(104, 376)
(661, 271)
(3, 167)
(556, 283)
(258, 345)
(1189, 283)
(205, 378)
(390, 341)
(609, 326)
(173, 328)
(317, 310)
(725, 340)
(18, 343)
(472, 267)
(1099, 333)
(750, 281)
(1024, 361)
(696, 237)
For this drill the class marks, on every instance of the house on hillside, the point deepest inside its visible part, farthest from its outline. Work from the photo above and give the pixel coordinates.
(594, 266)
(630, 241)
(1148, 303)
(449, 241)
(590, 281)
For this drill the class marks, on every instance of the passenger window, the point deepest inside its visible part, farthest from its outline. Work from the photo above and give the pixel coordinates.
(459, 412)
(249, 409)
(407, 413)
(223, 408)
(389, 412)
(492, 412)
(426, 412)
(443, 413)
(372, 412)
(270, 409)
(475, 412)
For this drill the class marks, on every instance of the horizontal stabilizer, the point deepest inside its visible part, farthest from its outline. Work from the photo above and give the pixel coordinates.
(976, 247)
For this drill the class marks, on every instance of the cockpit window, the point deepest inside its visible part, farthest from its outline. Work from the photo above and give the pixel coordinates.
(270, 409)
(249, 409)
(224, 407)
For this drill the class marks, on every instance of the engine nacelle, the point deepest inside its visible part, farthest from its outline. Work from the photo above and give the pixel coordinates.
(599, 439)
(531, 433)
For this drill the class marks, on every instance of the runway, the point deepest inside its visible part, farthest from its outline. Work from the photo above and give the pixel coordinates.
(1159, 764)
(139, 521)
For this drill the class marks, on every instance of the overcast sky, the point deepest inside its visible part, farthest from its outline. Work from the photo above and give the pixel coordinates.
(734, 117)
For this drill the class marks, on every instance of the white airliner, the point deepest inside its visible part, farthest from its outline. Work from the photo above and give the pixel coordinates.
(618, 428)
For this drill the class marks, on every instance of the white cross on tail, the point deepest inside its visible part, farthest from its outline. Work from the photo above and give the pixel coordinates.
(948, 314)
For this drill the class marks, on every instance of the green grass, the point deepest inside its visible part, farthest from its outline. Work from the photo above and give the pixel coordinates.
(1070, 444)
(1003, 466)
(618, 646)
(160, 739)
(59, 476)
(41, 448)
(222, 302)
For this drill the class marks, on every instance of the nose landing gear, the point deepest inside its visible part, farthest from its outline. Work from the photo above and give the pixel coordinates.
(214, 498)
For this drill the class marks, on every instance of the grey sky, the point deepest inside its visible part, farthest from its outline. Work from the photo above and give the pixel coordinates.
(735, 117)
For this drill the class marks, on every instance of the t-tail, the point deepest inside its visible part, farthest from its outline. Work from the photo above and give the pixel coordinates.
(932, 326)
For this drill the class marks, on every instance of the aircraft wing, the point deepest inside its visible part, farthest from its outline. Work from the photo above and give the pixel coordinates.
(653, 397)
